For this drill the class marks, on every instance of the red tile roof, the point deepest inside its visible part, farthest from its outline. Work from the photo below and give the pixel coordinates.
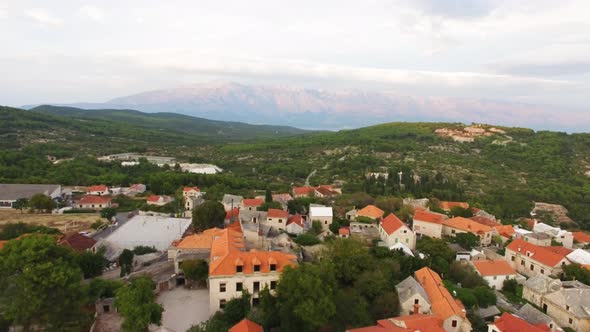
(505, 230)
(295, 219)
(153, 198)
(484, 221)
(493, 268)
(581, 237)
(282, 197)
(185, 189)
(510, 323)
(426, 216)
(370, 211)
(136, 186)
(467, 225)
(391, 223)
(302, 191)
(324, 190)
(235, 213)
(447, 206)
(2, 243)
(543, 255)
(246, 326)
(91, 199)
(276, 213)
(100, 187)
(344, 230)
(443, 303)
(77, 241)
(253, 202)
(411, 323)
(198, 241)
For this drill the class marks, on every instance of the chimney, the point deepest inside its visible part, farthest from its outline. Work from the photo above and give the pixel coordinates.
(416, 309)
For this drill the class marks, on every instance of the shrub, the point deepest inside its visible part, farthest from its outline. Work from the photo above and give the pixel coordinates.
(307, 239)
(142, 250)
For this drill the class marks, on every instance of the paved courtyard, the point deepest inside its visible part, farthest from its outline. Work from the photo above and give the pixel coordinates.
(184, 308)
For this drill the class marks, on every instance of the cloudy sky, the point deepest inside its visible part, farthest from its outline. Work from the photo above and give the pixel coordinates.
(535, 51)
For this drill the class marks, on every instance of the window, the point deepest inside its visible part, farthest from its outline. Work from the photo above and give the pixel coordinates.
(273, 267)
(416, 301)
(532, 267)
(452, 231)
(222, 287)
(454, 323)
(273, 285)
(522, 263)
(495, 277)
(256, 286)
(512, 258)
(257, 268)
(325, 222)
(405, 231)
(280, 221)
(239, 286)
(222, 304)
(239, 268)
(567, 307)
(571, 321)
(396, 240)
(542, 271)
(255, 301)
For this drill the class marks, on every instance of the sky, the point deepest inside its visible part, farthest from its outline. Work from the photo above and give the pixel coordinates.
(535, 52)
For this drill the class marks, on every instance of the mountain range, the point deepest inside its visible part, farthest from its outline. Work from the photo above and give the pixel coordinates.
(332, 110)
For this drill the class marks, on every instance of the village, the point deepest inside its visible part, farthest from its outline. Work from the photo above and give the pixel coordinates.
(259, 237)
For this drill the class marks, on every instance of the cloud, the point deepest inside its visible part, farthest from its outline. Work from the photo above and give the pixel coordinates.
(457, 9)
(43, 17)
(93, 13)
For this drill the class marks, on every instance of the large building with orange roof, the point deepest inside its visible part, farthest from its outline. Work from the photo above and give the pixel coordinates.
(392, 230)
(529, 259)
(233, 269)
(196, 246)
(450, 310)
(457, 225)
(428, 223)
(251, 204)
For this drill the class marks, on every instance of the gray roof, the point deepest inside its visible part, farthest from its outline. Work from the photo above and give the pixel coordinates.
(533, 315)
(575, 298)
(542, 284)
(490, 311)
(227, 199)
(16, 191)
(247, 215)
(539, 236)
(408, 287)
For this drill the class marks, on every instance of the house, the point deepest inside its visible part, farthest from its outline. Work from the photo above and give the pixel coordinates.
(510, 323)
(191, 192)
(323, 191)
(295, 224)
(505, 232)
(231, 269)
(447, 206)
(412, 297)
(452, 227)
(251, 204)
(538, 286)
(77, 241)
(10, 193)
(579, 256)
(495, 272)
(323, 214)
(246, 325)
(564, 237)
(93, 202)
(371, 212)
(135, 189)
(536, 317)
(529, 259)
(192, 202)
(98, 190)
(485, 221)
(450, 310)
(428, 223)
(283, 199)
(411, 323)
(231, 201)
(538, 239)
(299, 192)
(392, 231)
(196, 246)
(277, 218)
(581, 237)
(344, 232)
(158, 200)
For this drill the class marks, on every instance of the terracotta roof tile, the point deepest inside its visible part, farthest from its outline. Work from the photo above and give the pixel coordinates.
(370, 211)
(391, 223)
(447, 206)
(276, 213)
(187, 189)
(2, 243)
(296, 219)
(100, 187)
(235, 213)
(303, 191)
(254, 202)
(540, 254)
(427, 216)
(443, 303)
(581, 237)
(510, 323)
(467, 225)
(153, 198)
(246, 325)
(77, 241)
(198, 241)
(91, 199)
(344, 230)
(484, 221)
(493, 268)
(505, 230)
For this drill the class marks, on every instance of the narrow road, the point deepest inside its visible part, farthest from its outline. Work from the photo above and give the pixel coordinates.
(502, 302)
(309, 177)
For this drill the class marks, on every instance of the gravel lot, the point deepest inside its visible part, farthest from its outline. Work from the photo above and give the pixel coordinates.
(184, 308)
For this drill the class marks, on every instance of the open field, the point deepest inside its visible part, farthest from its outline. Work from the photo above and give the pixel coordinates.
(63, 222)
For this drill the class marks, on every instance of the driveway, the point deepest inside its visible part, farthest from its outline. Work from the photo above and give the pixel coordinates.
(184, 308)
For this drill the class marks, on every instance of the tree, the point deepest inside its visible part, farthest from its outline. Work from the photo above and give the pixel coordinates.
(306, 239)
(136, 303)
(467, 240)
(236, 309)
(306, 298)
(91, 264)
(352, 310)
(349, 258)
(438, 252)
(267, 312)
(457, 211)
(126, 262)
(41, 202)
(510, 286)
(485, 296)
(20, 204)
(210, 214)
(268, 196)
(40, 284)
(372, 283)
(102, 288)
(196, 270)
(577, 272)
(269, 205)
(316, 227)
(385, 305)
(108, 213)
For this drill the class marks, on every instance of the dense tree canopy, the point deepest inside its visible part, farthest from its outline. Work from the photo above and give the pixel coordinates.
(209, 214)
(136, 303)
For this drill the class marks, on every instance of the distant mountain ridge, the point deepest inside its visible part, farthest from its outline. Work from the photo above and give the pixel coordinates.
(321, 109)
